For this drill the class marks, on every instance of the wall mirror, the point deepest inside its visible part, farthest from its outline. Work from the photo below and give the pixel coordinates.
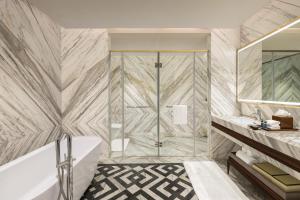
(269, 68)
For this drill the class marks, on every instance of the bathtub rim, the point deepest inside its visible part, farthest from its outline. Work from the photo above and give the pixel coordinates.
(44, 148)
(51, 179)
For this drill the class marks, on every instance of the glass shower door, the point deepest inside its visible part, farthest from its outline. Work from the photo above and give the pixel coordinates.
(176, 81)
(176, 104)
(140, 104)
(184, 104)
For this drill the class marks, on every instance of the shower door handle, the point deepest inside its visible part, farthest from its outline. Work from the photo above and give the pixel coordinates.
(158, 144)
(158, 65)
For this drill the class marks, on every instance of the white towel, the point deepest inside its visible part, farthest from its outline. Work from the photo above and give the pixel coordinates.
(116, 144)
(276, 127)
(252, 154)
(180, 114)
(116, 125)
(246, 158)
(272, 122)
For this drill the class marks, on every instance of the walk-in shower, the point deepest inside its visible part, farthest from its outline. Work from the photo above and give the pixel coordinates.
(159, 103)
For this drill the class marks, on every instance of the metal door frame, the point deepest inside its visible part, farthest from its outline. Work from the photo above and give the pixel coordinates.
(158, 65)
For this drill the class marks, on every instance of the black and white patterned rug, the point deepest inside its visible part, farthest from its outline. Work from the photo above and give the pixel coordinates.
(140, 182)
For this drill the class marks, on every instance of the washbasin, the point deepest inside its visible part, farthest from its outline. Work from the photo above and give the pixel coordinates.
(244, 121)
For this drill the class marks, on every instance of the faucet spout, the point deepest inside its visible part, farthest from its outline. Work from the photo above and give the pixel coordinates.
(259, 114)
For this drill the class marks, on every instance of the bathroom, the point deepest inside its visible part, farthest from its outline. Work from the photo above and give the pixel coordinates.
(144, 100)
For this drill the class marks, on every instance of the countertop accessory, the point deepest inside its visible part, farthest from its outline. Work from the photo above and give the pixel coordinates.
(286, 122)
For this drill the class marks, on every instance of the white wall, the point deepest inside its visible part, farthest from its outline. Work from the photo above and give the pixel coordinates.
(149, 14)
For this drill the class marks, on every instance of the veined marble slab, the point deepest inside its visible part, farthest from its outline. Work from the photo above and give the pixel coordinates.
(224, 43)
(30, 84)
(85, 79)
(287, 142)
(275, 14)
(250, 73)
(211, 183)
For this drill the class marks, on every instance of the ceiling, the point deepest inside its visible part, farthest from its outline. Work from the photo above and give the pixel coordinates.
(150, 13)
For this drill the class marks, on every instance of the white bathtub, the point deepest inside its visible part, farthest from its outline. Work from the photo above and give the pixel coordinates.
(33, 176)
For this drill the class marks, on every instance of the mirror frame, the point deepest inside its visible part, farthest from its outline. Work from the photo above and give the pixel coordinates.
(257, 41)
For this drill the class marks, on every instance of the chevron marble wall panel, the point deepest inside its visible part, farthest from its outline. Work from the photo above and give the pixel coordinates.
(85, 83)
(30, 86)
(270, 18)
(286, 78)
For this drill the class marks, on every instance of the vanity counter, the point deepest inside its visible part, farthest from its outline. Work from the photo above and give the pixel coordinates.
(286, 142)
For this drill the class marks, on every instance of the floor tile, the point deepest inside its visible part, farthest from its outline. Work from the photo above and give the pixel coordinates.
(158, 181)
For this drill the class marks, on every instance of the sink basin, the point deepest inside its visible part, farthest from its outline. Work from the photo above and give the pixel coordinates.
(244, 121)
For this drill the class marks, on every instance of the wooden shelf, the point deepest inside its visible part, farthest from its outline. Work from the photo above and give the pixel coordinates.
(273, 153)
(259, 180)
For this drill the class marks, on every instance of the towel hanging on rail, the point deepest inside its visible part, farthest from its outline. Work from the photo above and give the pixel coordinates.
(179, 114)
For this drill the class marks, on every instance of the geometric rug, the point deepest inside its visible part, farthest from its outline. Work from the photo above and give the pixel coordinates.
(140, 182)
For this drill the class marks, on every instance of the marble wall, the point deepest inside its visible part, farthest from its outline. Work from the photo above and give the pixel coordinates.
(250, 73)
(224, 43)
(30, 84)
(116, 92)
(270, 18)
(85, 54)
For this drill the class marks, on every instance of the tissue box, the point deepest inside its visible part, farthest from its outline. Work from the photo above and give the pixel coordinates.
(286, 122)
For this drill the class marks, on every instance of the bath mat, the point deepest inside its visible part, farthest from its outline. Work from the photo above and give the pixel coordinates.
(140, 181)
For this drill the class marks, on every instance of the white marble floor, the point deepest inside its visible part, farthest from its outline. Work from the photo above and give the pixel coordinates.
(250, 190)
(171, 146)
(206, 176)
(162, 159)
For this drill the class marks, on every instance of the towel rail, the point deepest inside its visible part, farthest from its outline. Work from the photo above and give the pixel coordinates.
(169, 106)
(137, 106)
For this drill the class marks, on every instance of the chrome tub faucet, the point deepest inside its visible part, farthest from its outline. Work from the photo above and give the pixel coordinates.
(64, 168)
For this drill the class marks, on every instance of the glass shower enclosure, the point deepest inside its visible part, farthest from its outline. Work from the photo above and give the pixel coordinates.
(159, 103)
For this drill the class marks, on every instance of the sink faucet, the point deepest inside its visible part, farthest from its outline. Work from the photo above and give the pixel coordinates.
(258, 114)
